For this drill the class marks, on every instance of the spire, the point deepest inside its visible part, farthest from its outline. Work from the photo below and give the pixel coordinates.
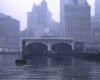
(43, 2)
(35, 7)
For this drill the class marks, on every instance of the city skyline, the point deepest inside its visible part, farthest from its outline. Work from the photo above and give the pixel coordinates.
(18, 9)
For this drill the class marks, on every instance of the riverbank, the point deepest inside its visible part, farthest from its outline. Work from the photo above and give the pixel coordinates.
(84, 55)
(10, 52)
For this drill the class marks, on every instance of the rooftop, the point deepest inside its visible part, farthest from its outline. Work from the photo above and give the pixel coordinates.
(2, 15)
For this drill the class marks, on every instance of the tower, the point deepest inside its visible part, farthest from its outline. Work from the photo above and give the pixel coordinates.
(42, 17)
(32, 20)
(37, 19)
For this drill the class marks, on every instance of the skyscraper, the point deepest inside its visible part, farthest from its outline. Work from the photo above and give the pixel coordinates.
(49, 17)
(32, 20)
(36, 18)
(77, 20)
(62, 3)
(42, 15)
(97, 10)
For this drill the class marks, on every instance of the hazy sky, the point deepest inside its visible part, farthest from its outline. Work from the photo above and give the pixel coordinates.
(18, 9)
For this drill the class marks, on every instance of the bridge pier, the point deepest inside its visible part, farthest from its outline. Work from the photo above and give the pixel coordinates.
(20, 58)
(73, 45)
(23, 47)
(49, 46)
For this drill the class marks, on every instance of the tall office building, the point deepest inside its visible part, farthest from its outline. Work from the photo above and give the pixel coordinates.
(62, 20)
(32, 20)
(97, 10)
(77, 20)
(49, 17)
(42, 14)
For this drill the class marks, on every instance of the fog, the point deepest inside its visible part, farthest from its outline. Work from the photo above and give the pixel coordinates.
(18, 9)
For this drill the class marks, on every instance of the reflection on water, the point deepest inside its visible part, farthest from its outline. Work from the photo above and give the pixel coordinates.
(42, 68)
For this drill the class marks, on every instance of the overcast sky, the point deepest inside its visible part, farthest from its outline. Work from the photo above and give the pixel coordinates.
(18, 9)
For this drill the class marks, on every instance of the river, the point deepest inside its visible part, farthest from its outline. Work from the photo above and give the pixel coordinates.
(43, 68)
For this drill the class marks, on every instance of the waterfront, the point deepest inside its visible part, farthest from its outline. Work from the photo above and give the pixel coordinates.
(42, 68)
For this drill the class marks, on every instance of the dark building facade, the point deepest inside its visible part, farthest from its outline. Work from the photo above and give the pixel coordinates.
(9, 31)
(62, 20)
(77, 20)
(97, 10)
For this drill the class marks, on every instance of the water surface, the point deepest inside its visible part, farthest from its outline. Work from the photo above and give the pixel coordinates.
(42, 68)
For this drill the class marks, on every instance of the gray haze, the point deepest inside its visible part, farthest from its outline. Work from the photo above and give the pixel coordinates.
(18, 9)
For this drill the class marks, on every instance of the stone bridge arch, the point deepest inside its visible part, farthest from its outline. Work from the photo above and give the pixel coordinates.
(36, 47)
(61, 47)
(48, 42)
(65, 42)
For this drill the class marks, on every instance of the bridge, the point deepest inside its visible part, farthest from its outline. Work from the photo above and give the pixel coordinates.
(46, 43)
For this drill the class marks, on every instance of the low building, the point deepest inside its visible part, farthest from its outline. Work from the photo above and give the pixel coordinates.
(39, 31)
(54, 28)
